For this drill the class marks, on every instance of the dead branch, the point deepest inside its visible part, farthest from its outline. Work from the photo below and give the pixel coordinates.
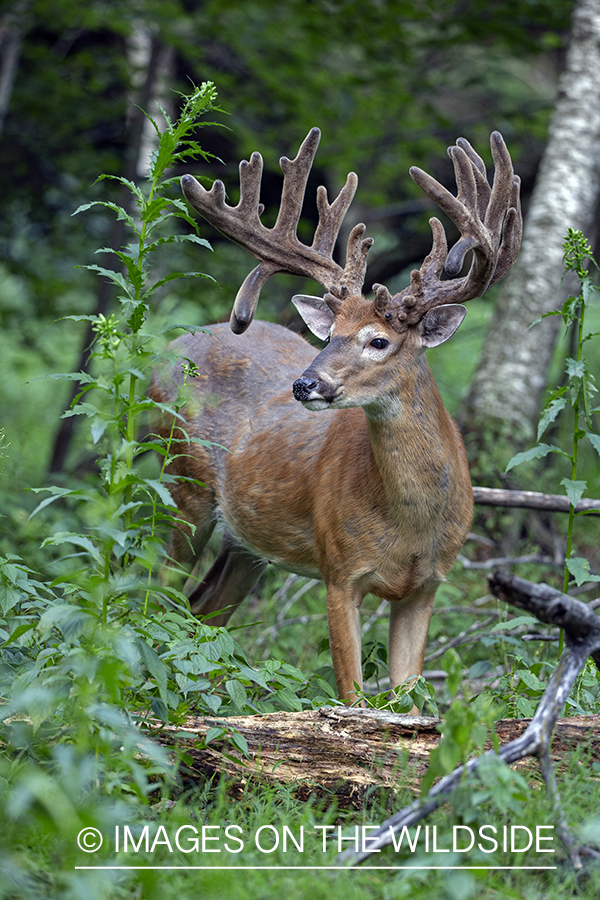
(582, 634)
(531, 500)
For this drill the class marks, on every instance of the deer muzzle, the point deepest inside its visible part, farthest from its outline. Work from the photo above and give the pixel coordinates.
(313, 391)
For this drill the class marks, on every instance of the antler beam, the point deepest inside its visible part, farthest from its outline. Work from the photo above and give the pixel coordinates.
(489, 220)
(278, 248)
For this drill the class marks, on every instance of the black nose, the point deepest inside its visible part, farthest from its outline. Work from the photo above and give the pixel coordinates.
(303, 387)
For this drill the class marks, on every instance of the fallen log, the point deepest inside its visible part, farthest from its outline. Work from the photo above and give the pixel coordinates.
(346, 754)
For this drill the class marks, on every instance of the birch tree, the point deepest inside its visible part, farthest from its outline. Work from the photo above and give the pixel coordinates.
(505, 393)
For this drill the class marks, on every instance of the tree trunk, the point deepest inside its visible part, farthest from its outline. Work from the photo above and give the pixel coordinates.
(12, 29)
(504, 398)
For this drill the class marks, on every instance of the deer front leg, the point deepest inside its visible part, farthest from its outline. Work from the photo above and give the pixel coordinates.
(409, 625)
(344, 639)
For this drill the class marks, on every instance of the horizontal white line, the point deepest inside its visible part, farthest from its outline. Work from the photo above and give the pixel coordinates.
(312, 868)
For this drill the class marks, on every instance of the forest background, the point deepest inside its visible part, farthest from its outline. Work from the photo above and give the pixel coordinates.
(390, 84)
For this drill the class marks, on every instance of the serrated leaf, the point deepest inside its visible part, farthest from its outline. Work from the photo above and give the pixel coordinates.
(122, 214)
(594, 440)
(574, 490)
(135, 190)
(172, 277)
(575, 368)
(82, 409)
(537, 452)
(579, 568)
(162, 491)
(549, 414)
(179, 239)
(113, 276)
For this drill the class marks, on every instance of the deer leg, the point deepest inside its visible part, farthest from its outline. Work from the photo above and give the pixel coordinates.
(409, 625)
(344, 640)
(233, 574)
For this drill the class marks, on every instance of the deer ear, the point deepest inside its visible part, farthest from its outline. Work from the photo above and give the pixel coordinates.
(315, 313)
(440, 323)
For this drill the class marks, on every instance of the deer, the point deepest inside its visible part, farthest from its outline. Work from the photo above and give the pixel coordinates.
(343, 466)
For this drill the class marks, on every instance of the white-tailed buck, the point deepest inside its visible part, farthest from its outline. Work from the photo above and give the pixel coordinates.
(374, 495)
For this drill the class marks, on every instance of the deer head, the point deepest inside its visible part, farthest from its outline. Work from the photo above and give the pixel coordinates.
(424, 314)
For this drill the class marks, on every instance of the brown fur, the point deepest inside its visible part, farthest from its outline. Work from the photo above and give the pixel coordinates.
(373, 500)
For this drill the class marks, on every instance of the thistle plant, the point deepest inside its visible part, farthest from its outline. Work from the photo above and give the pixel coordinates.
(575, 395)
(100, 647)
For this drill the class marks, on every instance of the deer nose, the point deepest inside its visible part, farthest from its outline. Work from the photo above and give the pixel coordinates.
(303, 387)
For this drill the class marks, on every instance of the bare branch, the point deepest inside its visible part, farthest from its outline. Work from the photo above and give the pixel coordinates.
(582, 633)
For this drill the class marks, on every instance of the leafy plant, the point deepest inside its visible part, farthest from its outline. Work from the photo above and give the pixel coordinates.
(100, 656)
(576, 394)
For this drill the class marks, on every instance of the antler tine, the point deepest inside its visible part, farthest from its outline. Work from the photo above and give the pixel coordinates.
(278, 249)
(489, 220)
(295, 176)
(512, 231)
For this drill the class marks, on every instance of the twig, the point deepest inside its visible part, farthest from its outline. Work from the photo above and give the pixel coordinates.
(507, 561)
(460, 638)
(582, 633)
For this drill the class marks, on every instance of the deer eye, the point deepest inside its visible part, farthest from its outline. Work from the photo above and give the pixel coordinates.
(379, 343)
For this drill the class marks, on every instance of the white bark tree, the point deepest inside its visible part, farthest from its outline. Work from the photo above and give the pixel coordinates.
(505, 393)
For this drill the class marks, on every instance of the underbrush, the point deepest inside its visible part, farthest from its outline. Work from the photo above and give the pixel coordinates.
(98, 656)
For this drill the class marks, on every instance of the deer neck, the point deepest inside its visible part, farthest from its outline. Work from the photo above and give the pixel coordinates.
(414, 444)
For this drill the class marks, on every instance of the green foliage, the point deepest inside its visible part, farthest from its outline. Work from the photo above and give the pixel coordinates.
(97, 657)
(575, 395)
(415, 692)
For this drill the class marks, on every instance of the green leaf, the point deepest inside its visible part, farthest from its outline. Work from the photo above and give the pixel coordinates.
(82, 409)
(161, 490)
(574, 490)
(594, 440)
(113, 276)
(57, 494)
(179, 239)
(122, 214)
(537, 452)
(237, 692)
(239, 741)
(172, 277)
(155, 666)
(575, 368)
(517, 622)
(21, 629)
(98, 428)
(550, 413)
(531, 680)
(213, 734)
(78, 540)
(135, 190)
(525, 707)
(579, 568)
